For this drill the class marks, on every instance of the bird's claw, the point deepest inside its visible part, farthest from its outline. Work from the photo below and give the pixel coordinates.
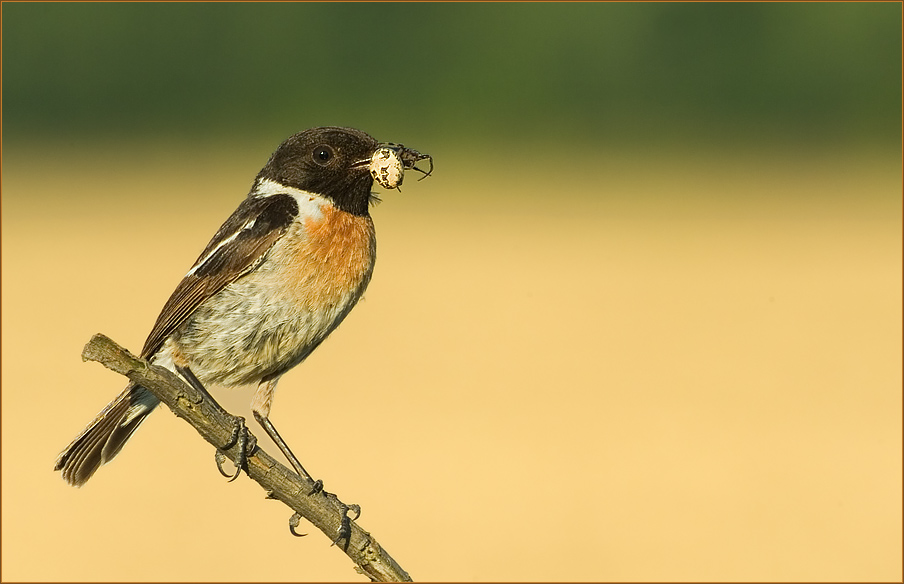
(345, 525)
(220, 458)
(345, 522)
(293, 523)
(245, 443)
(316, 487)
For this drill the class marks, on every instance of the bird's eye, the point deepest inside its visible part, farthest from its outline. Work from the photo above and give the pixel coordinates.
(323, 154)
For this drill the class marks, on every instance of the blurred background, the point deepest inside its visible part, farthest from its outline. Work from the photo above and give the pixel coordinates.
(643, 322)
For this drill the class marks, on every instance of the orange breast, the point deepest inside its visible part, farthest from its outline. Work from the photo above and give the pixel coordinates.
(333, 259)
(270, 320)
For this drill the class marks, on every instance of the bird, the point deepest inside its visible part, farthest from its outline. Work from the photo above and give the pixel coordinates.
(280, 274)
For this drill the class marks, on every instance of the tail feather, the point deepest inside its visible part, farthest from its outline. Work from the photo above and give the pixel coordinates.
(105, 435)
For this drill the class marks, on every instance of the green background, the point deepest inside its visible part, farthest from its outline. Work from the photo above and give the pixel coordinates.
(616, 74)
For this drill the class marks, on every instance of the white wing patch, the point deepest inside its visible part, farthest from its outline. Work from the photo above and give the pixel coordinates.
(309, 207)
(248, 225)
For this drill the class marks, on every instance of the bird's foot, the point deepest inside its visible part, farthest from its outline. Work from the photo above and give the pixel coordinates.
(345, 522)
(345, 526)
(245, 443)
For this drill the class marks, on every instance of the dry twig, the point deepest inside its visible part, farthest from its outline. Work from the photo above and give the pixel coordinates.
(216, 426)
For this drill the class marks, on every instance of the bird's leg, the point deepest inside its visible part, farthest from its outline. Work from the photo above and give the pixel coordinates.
(239, 436)
(260, 407)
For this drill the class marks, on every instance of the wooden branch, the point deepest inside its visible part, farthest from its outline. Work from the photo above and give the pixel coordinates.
(216, 426)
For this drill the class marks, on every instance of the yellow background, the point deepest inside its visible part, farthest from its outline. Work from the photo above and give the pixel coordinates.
(669, 365)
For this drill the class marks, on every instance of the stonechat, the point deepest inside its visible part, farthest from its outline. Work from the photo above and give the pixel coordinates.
(280, 275)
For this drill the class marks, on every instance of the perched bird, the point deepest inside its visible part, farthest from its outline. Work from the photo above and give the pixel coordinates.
(278, 277)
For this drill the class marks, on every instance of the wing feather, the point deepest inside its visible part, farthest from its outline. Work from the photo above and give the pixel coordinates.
(237, 248)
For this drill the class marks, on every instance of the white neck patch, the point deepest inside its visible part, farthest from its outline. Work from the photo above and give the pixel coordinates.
(267, 188)
(308, 203)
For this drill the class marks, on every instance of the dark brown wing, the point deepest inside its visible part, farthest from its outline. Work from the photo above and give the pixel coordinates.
(238, 246)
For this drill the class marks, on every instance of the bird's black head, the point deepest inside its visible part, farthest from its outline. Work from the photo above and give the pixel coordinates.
(331, 162)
